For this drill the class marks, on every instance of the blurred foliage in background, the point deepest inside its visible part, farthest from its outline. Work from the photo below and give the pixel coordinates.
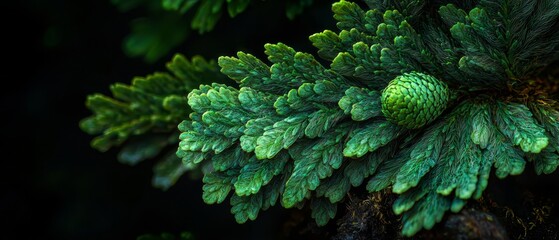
(165, 24)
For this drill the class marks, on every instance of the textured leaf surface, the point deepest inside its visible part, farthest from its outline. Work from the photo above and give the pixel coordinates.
(308, 132)
(313, 162)
(423, 157)
(258, 173)
(245, 208)
(281, 135)
(361, 103)
(370, 137)
(142, 117)
(217, 186)
(515, 121)
(322, 210)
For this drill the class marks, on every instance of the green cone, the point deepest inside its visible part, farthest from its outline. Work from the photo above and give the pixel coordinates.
(414, 99)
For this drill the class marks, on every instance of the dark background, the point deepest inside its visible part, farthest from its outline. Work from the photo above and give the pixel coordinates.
(54, 186)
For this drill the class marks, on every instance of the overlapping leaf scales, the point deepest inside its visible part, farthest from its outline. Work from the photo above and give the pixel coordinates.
(349, 15)
(308, 132)
(284, 75)
(530, 29)
(387, 171)
(515, 121)
(360, 103)
(231, 158)
(314, 160)
(309, 97)
(257, 173)
(426, 212)
(482, 135)
(352, 173)
(247, 70)
(197, 138)
(360, 169)
(370, 137)
(280, 136)
(424, 198)
(481, 64)
(548, 117)
(451, 156)
(423, 157)
(217, 186)
(150, 104)
(334, 188)
(478, 40)
(423, 206)
(547, 161)
(469, 158)
(246, 207)
(508, 159)
(321, 121)
(378, 47)
(323, 210)
(142, 117)
(191, 159)
(451, 15)
(328, 44)
(274, 189)
(505, 38)
(254, 129)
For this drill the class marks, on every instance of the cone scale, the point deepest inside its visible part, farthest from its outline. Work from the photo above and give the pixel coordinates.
(413, 100)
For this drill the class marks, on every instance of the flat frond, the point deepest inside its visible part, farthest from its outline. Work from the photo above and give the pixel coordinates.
(296, 131)
(142, 117)
(515, 121)
(323, 210)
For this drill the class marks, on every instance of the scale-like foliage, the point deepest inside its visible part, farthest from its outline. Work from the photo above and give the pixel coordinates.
(142, 117)
(423, 97)
(296, 130)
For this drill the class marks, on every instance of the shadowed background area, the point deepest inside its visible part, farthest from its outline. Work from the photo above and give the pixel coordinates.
(54, 185)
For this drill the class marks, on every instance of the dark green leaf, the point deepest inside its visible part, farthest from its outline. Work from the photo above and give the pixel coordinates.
(323, 210)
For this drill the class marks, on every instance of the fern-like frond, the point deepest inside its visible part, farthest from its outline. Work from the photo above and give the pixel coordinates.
(142, 117)
(420, 101)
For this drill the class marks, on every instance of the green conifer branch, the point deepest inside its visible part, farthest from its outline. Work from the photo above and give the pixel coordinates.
(314, 132)
(423, 98)
(142, 117)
